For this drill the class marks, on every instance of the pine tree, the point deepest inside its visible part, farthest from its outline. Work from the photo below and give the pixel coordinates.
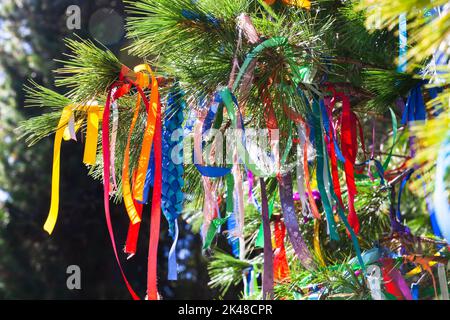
(323, 73)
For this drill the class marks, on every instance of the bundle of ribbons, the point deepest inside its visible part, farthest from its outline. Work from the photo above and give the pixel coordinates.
(156, 137)
(329, 128)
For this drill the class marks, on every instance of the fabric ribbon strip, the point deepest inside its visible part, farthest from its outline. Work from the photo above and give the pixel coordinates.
(318, 134)
(90, 149)
(209, 171)
(403, 43)
(304, 134)
(149, 133)
(306, 210)
(209, 206)
(280, 264)
(213, 227)
(54, 204)
(312, 202)
(333, 150)
(268, 273)
(415, 106)
(349, 148)
(440, 195)
(394, 139)
(172, 170)
(94, 113)
(290, 220)
(394, 282)
(133, 232)
(317, 249)
(155, 219)
(172, 259)
(126, 189)
(229, 102)
(443, 281)
(106, 177)
(115, 126)
(340, 210)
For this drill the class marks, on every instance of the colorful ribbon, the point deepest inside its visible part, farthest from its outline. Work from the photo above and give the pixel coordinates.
(149, 133)
(94, 113)
(106, 185)
(155, 219)
(440, 195)
(290, 220)
(318, 134)
(268, 273)
(349, 147)
(280, 265)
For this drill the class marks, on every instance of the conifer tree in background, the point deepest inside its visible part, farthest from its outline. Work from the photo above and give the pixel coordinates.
(356, 204)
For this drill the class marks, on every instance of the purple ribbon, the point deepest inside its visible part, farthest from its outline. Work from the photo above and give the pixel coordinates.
(268, 254)
(290, 220)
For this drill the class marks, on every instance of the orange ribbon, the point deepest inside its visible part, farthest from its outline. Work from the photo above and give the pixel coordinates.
(138, 187)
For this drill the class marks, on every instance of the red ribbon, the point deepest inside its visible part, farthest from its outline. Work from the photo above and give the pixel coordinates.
(281, 268)
(388, 271)
(106, 176)
(349, 146)
(123, 87)
(333, 158)
(298, 119)
(269, 112)
(133, 232)
(152, 290)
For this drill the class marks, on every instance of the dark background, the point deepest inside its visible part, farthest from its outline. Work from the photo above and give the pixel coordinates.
(32, 264)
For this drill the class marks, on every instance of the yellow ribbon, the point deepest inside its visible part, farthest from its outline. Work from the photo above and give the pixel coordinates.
(62, 132)
(299, 3)
(317, 248)
(138, 187)
(126, 190)
(90, 149)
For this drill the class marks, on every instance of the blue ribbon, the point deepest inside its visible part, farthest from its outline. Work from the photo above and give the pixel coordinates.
(231, 225)
(149, 178)
(415, 291)
(403, 43)
(194, 16)
(172, 173)
(415, 106)
(208, 171)
(172, 261)
(213, 172)
(321, 160)
(440, 195)
(327, 126)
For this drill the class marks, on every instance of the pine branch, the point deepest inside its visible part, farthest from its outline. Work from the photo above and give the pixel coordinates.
(88, 72)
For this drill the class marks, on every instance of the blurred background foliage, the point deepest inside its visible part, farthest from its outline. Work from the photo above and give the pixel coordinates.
(33, 265)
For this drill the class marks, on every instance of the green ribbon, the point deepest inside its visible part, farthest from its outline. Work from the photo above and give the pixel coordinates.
(288, 145)
(318, 133)
(213, 227)
(230, 188)
(299, 72)
(342, 216)
(270, 43)
(394, 138)
(216, 223)
(259, 243)
(219, 117)
(243, 153)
